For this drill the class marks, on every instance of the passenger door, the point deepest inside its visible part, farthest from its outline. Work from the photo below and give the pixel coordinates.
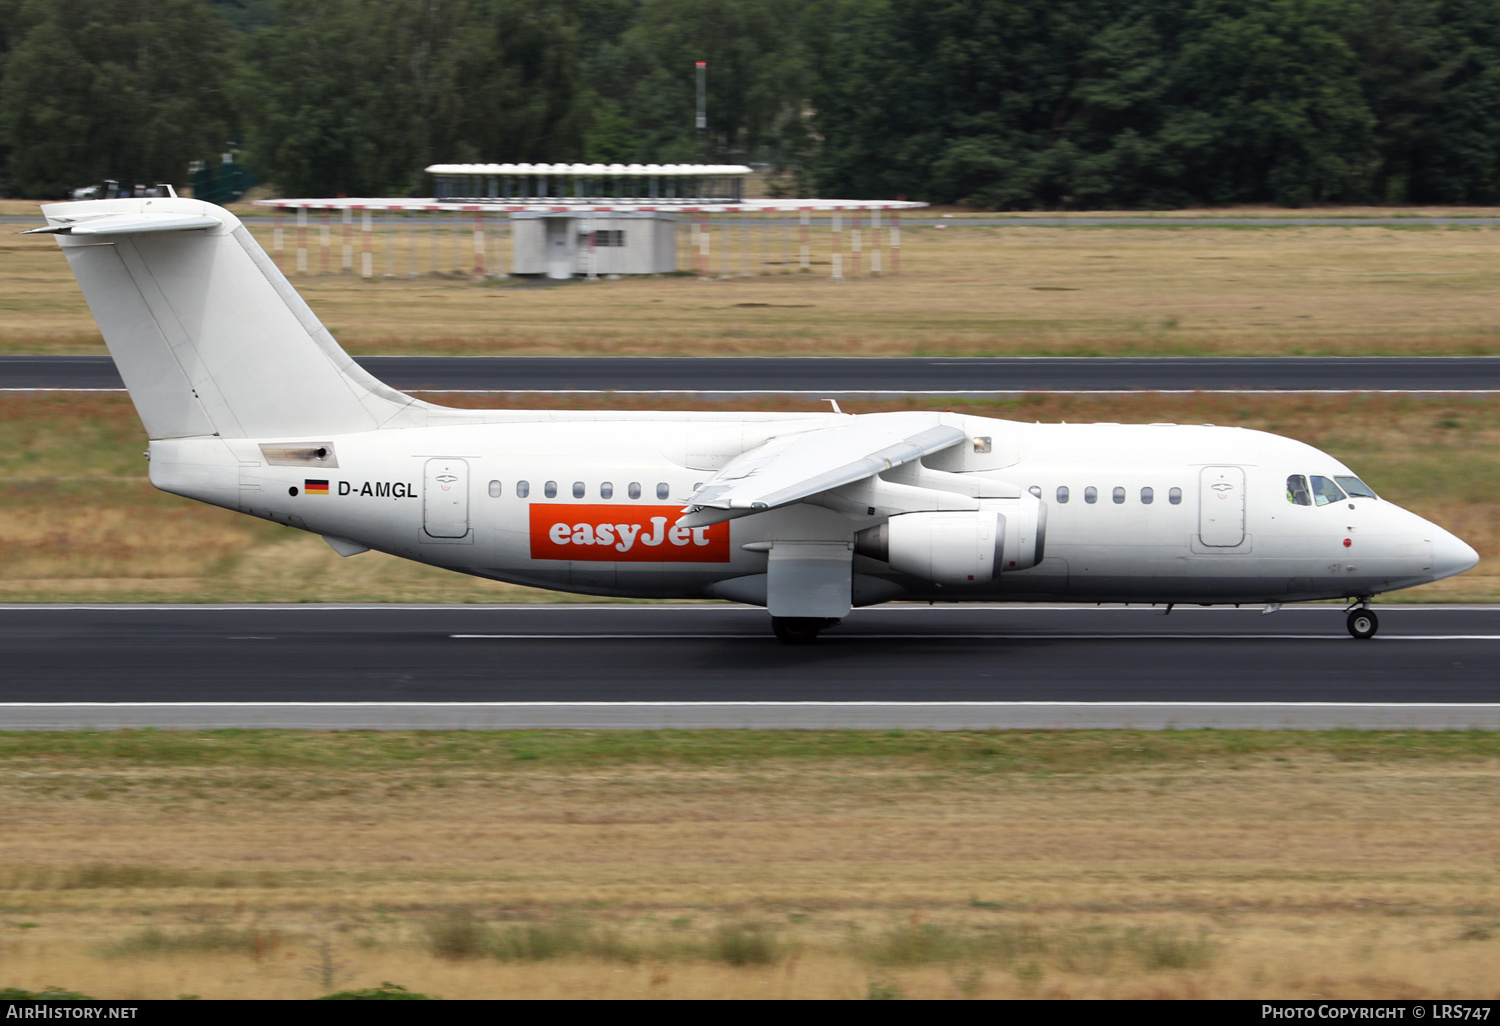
(445, 498)
(1221, 506)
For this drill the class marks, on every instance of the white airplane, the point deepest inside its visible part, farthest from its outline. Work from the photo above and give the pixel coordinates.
(251, 405)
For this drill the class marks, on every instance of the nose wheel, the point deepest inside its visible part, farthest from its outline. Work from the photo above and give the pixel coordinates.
(1363, 624)
(799, 630)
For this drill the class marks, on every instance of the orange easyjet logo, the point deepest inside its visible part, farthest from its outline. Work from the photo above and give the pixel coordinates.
(623, 534)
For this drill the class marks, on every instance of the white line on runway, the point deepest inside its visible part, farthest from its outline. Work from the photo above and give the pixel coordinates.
(994, 636)
(1039, 704)
(892, 392)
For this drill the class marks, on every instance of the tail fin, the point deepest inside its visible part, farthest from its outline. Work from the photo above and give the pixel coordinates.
(210, 338)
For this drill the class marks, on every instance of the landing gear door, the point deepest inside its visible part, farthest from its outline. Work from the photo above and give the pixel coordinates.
(445, 498)
(1221, 506)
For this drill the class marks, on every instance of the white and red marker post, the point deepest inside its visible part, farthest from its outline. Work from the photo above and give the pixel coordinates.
(838, 244)
(479, 242)
(366, 256)
(896, 241)
(301, 240)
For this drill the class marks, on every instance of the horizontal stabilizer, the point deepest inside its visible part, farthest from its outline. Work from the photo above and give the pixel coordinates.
(799, 466)
(129, 224)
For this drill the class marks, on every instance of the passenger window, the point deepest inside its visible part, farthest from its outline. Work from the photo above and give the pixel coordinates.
(1356, 488)
(495, 489)
(1325, 491)
(662, 491)
(1062, 493)
(578, 489)
(1035, 490)
(523, 489)
(1296, 491)
(607, 490)
(982, 443)
(550, 489)
(1175, 496)
(1118, 495)
(1148, 496)
(1091, 495)
(634, 490)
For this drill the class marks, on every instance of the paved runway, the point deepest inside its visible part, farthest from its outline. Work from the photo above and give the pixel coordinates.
(856, 376)
(709, 665)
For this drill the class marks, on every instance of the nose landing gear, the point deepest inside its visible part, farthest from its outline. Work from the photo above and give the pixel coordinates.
(1363, 623)
(799, 630)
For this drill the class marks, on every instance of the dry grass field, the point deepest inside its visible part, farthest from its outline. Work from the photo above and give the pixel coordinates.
(734, 864)
(80, 522)
(1010, 290)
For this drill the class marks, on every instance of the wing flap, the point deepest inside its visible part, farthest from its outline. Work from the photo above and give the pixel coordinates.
(791, 468)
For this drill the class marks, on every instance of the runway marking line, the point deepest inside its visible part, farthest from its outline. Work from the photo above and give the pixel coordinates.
(976, 637)
(872, 392)
(758, 704)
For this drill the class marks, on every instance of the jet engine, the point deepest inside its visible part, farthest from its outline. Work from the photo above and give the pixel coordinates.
(961, 546)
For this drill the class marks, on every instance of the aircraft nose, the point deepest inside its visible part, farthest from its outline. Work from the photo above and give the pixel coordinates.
(1450, 554)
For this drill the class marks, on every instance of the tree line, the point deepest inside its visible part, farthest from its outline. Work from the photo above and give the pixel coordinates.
(1005, 104)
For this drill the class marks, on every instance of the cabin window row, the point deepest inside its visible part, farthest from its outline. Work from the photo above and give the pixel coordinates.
(580, 490)
(1117, 495)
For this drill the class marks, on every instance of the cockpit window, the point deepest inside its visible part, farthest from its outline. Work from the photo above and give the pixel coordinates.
(1325, 491)
(1356, 488)
(1296, 491)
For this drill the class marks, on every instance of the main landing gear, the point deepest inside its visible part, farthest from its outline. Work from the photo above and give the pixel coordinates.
(1363, 623)
(800, 630)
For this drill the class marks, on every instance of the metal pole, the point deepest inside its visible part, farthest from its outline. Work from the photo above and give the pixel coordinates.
(786, 241)
(895, 241)
(726, 241)
(390, 242)
(346, 262)
(276, 241)
(854, 243)
(875, 241)
(806, 262)
(458, 241)
(301, 240)
(745, 223)
(700, 251)
(326, 238)
(367, 259)
(478, 242)
(412, 267)
(838, 245)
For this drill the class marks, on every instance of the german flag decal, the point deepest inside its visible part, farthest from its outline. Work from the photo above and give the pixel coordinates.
(312, 487)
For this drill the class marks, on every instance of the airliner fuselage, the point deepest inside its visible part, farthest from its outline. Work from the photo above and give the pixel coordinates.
(1133, 513)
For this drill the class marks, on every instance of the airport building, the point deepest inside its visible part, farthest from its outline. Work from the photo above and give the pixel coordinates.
(593, 220)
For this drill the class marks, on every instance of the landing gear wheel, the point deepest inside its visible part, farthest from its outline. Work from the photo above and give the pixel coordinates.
(1363, 623)
(799, 630)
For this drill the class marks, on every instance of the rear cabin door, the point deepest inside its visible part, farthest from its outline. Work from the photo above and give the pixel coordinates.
(445, 498)
(1221, 506)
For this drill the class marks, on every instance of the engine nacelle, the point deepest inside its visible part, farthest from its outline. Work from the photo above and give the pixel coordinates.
(1025, 530)
(961, 546)
(958, 547)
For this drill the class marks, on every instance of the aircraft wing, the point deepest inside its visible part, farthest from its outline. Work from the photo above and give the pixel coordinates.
(794, 467)
(129, 224)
